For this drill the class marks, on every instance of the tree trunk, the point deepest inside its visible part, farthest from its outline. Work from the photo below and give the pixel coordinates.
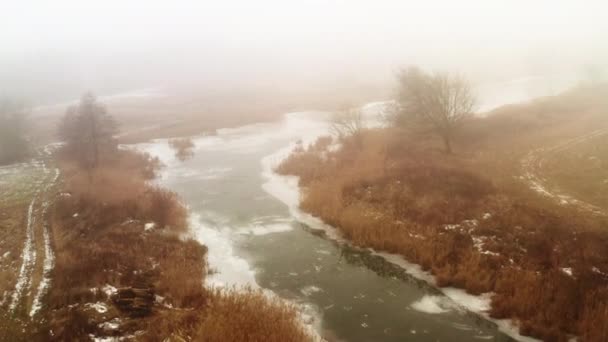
(447, 144)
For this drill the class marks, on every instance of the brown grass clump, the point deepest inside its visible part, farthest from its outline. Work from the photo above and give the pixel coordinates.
(468, 221)
(234, 315)
(232, 319)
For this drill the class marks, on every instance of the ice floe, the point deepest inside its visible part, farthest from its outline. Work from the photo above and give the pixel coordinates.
(432, 304)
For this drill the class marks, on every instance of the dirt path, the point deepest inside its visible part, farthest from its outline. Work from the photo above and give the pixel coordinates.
(532, 166)
(37, 258)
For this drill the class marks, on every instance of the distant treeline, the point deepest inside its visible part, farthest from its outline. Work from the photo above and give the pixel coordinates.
(13, 142)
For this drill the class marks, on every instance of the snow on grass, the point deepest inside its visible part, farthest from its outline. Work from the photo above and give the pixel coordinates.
(99, 307)
(532, 165)
(478, 243)
(110, 325)
(597, 270)
(109, 290)
(49, 258)
(470, 302)
(286, 190)
(28, 258)
(47, 267)
(451, 226)
(104, 339)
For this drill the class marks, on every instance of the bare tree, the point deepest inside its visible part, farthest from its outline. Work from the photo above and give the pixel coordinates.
(88, 132)
(184, 148)
(442, 101)
(348, 123)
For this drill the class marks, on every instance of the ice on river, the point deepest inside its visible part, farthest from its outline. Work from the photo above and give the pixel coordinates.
(227, 268)
(432, 305)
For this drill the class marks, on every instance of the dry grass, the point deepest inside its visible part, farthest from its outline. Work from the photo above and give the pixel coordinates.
(12, 236)
(18, 185)
(399, 194)
(234, 315)
(107, 243)
(581, 170)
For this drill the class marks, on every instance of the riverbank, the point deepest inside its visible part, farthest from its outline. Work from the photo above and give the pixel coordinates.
(468, 219)
(124, 266)
(345, 294)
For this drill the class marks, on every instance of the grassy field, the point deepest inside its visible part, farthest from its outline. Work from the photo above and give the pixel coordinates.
(25, 189)
(485, 219)
(581, 169)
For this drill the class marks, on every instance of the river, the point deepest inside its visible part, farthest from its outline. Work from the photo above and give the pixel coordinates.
(248, 217)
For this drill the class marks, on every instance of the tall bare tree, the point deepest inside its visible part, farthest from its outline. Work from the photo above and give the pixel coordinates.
(88, 132)
(348, 123)
(442, 101)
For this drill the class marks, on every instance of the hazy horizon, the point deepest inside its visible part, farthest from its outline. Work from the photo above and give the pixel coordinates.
(53, 51)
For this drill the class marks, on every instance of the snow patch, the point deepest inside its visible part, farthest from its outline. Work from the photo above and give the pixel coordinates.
(103, 339)
(230, 270)
(477, 304)
(432, 305)
(110, 325)
(28, 258)
(99, 307)
(109, 290)
(47, 267)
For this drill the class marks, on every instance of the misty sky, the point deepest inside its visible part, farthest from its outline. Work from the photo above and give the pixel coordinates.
(50, 46)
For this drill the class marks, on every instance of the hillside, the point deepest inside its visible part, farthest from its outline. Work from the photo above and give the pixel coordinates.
(493, 216)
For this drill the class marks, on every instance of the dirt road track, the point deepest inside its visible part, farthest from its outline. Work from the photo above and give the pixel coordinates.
(532, 166)
(37, 257)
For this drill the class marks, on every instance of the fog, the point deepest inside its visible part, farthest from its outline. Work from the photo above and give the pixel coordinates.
(55, 50)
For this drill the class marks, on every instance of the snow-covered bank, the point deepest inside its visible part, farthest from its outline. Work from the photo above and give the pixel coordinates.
(286, 189)
(227, 269)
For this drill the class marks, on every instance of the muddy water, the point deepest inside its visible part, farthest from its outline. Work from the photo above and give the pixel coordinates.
(248, 218)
